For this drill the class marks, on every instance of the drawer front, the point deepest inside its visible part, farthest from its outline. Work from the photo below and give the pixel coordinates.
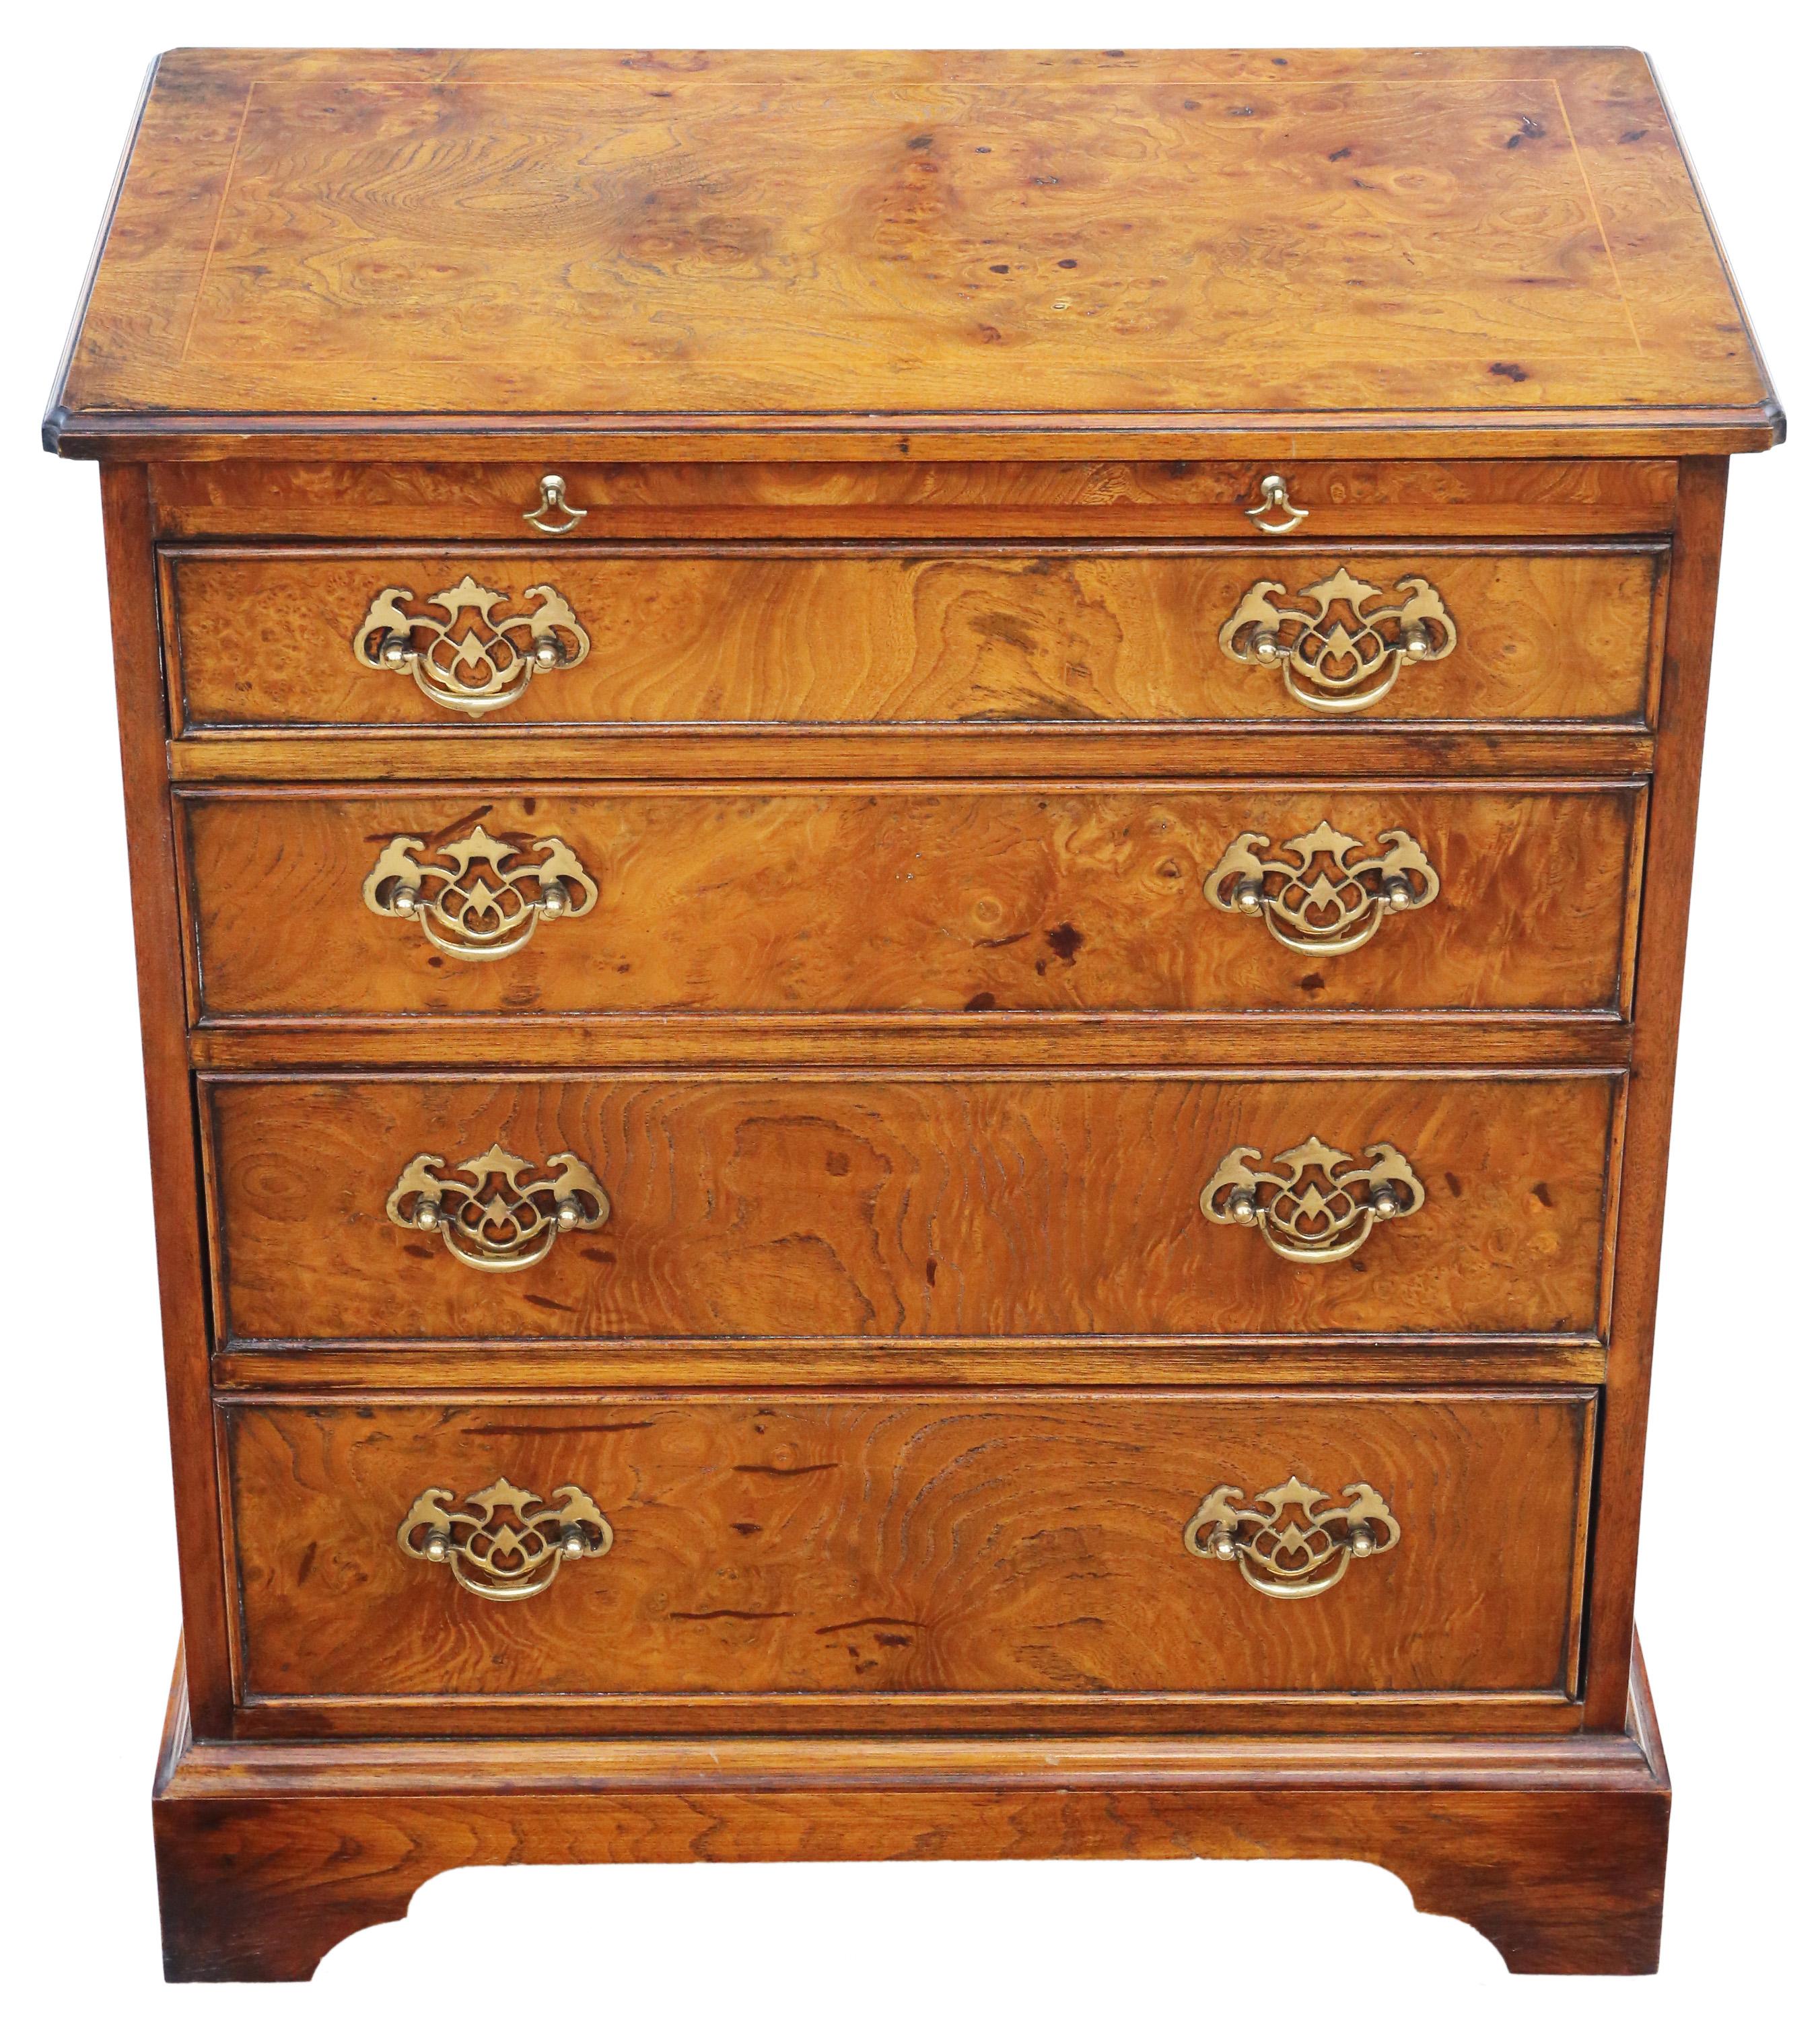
(911, 635)
(767, 1204)
(234, 497)
(1024, 1547)
(697, 899)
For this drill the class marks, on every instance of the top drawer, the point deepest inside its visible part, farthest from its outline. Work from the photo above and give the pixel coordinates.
(457, 638)
(244, 499)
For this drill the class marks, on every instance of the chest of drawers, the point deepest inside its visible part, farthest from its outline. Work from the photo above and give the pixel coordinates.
(910, 839)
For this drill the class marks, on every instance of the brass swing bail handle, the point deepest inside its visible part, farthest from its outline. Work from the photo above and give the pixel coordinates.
(552, 505)
(1313, 1203)
(1274, 494)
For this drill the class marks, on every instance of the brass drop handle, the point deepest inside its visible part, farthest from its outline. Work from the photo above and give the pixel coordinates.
(480, 896)
(512, 1545)
(1322, 893)
(1340, 643)
(1292, 1554)
(552, 505)
(1275, 494)
(1313, 1203)
(496, 1212)
(464, 648)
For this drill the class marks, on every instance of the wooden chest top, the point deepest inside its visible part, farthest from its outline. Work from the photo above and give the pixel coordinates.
(1483, 251)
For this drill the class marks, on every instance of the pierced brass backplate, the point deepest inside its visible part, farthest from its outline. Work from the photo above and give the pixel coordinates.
(462, 654)
(496, 1212)
(1324, 1203)
(1298, 1556)
(1315, 897)
(479, 897)
(1329, 663)
(512, 1545)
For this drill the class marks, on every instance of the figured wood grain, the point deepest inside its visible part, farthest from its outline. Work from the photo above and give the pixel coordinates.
(1472, 237)
(1668, 891)
(751, 1205)
(1044, 305)
(182, 1316)
(917, 635)
(1552, 1848)
(1093, 750)
(1066, 1039)
(398, 499)
(1468, 1359)
(868, 899)
(875, 1546)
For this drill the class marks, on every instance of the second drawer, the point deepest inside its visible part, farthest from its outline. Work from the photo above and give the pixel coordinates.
(914, 899)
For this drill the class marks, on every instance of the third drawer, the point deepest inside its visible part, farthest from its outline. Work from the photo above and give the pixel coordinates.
(832, 1205)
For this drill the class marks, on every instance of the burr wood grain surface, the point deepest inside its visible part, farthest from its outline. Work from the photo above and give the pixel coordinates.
(751, 1205)
(952, 636)
(1461, 237)
(1024, 1545)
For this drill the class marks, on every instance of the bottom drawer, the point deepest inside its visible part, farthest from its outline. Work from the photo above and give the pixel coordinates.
(865, 1552)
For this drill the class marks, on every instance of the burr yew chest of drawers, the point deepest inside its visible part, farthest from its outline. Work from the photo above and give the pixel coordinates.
(910, 838)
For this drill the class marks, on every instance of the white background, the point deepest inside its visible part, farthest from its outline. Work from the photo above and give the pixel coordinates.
(1730, 1563)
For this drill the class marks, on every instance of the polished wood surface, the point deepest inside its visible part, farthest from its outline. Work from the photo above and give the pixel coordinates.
(1072, 750)
(560, 1366)
(1015, 1545)
(895, 245)
(856, 1205)
(270, 1853)
(170, 1111)
(917, 486)
(235, 496)
(1072, 1040)
(1637, 1258)
(872, 899)
(909, 635)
